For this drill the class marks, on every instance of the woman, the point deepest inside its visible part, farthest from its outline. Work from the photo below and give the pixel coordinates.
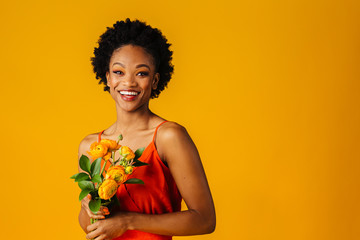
(133, 61)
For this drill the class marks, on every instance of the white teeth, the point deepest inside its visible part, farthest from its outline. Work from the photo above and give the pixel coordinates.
(129, 93)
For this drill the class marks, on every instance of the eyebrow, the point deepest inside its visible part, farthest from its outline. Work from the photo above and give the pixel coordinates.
(119, 64)
(142, 65)
(137, 66)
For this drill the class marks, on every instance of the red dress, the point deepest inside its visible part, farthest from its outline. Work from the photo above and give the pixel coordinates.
(158, 195)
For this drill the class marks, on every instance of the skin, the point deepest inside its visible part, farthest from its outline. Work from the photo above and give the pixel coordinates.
(131, 67)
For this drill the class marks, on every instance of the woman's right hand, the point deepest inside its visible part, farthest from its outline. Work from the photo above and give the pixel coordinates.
(99, 215)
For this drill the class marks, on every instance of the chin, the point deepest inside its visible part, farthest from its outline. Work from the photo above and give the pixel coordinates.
(131, 107)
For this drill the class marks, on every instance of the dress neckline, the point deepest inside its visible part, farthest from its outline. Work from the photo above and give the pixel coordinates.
(150, 145)
(152, 142)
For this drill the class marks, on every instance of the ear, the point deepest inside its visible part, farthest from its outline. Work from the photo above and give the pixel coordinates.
(107, 79)
(155, 81)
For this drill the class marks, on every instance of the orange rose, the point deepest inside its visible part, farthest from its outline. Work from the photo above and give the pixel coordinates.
(98, 150)
(116, 173)
(108, 189)
(127, 153)
(111, 144)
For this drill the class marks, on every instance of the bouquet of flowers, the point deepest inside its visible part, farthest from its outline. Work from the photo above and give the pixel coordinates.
(101, 183)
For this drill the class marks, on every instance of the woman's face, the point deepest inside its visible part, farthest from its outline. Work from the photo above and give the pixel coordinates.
(131, 77)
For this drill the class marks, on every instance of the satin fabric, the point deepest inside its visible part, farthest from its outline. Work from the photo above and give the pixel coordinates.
(158, 195)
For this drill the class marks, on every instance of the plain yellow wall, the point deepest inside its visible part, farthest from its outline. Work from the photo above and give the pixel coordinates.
(269, 91)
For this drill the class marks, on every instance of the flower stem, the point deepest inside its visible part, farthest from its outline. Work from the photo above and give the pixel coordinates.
(103, 167)
(113, 158)
(92, 221)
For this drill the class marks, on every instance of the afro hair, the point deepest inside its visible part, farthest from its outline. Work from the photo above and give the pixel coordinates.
(139, 34)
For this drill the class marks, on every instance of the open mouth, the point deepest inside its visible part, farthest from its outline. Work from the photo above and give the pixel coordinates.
(129, 93)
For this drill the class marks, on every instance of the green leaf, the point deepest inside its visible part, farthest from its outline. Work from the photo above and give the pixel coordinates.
(139, 152)
(138, 163)
(86, 185)
(94, 205)
(74, 176)
(84, 193)
(81, 177)
(96, 179)
(84, 163)
(95, 167)
(134, 181)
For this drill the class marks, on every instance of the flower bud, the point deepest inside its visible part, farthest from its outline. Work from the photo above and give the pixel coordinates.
(129, 169)
(120, 137)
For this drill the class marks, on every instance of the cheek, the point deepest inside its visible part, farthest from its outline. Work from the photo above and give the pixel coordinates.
(112, 83)
(148, 87)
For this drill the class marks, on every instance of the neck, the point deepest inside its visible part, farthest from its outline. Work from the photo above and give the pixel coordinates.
(128, 121)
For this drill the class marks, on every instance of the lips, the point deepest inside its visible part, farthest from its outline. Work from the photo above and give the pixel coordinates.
(128, 95)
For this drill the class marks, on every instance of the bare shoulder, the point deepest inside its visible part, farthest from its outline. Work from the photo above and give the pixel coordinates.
(171, 140)
(170, 131)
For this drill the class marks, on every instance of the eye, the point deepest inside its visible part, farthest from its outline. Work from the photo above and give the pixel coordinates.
(118, 72)
(143, 74)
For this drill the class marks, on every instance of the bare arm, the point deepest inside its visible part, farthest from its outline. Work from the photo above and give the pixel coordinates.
(176, 147)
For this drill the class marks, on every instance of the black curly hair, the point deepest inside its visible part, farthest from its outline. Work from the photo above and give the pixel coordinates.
(136, 33)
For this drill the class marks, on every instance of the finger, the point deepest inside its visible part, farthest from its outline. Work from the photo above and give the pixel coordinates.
(103, 208)
(93, 215)
(96, 216)
(101, 213)
(92, 235)
(96, 234)
(101, 237)
(85, 202)
(92, 227)
(104, 211)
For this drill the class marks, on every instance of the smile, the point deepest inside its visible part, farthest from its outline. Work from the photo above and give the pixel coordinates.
(129, 93)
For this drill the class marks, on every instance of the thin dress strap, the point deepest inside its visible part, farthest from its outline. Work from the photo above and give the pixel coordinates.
(99, 137)
(100, 133)
(157, 129)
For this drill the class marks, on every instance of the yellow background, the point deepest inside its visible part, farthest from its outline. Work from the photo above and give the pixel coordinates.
(269, 91)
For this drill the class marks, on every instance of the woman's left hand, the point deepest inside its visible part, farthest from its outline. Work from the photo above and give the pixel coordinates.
(108, 228)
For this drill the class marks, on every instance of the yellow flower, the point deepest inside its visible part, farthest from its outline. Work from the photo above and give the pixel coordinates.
(129, 169)
(98, 150)
(111, 144)
(108, 189)
(116, 173)
(127, 153)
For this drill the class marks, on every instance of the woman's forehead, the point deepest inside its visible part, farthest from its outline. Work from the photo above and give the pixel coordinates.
(132, 54)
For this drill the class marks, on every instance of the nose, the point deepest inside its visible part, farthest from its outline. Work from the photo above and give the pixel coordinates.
(129, 81)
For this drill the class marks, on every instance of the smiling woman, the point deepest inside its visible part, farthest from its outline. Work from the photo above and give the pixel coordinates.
(133, 61)
(131, 77)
